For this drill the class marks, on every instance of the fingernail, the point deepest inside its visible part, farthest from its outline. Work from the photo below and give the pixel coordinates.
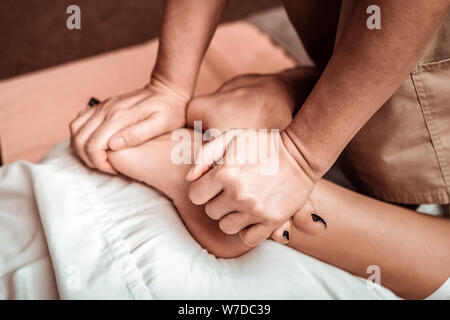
(286, 235)
(117, 143)
(317, 218)
(93, 102)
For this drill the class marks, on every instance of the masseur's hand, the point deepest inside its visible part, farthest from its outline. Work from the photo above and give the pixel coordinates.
(246, 101)
(255, 196)
(126, 121)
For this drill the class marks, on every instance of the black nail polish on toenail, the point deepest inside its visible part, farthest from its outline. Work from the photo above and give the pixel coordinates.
(286, 235)
(317, 218)
(93, 102)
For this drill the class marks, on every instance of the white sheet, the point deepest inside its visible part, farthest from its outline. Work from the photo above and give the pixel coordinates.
(69, 232)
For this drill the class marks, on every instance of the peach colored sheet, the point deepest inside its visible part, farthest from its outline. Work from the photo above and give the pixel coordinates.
(36, 108)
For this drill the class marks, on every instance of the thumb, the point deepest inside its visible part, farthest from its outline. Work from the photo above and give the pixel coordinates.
(210, 153)
(138, 133)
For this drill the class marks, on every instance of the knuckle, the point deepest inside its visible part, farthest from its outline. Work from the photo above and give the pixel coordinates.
(257, 208)
(72, 126)
(91, 148)
(226, 227)
(209, 209)
(273, 218)
(228, 174)
(249, 242)
(132, 136)
(240, 92)
(116, 114)
(78, 141)
(193, 195)
(239, 194)
(270, 219)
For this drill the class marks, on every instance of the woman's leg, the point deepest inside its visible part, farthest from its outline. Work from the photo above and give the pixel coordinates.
(411, 249)
(151, 163)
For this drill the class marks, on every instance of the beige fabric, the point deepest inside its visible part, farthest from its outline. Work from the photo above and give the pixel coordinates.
(403, 153)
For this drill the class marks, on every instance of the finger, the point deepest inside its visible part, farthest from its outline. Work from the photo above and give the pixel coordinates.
(139, 133)
(80, 120)
(126, 100)
(125, 112)
(282, 233)
(85, 128)
(255, 234)
(119, 117)
(82, 117)
(100, 139)
(308, 221)
(205, 188)
(209, 154)
(218, 206)
(97, 153)
(84, 134)
(234, 222)
(98, 143)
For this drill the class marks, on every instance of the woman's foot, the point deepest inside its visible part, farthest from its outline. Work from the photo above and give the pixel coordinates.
(151, 163)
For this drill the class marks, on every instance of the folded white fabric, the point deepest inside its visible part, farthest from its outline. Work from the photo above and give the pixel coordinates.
(109, 237)
(25, 266)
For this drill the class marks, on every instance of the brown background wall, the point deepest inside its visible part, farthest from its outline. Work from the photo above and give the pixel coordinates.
(33, 33)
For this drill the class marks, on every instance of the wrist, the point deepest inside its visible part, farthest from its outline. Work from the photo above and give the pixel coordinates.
(300, 155)
(160, 81)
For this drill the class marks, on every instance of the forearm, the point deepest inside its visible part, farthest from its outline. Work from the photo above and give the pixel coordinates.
(315, 26)
(411, 249)
(299, 82)
(367, 67)
(187, 29)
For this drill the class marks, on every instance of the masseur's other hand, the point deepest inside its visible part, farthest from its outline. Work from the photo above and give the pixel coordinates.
(255, 197)
(246, 101)
(126, 121)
